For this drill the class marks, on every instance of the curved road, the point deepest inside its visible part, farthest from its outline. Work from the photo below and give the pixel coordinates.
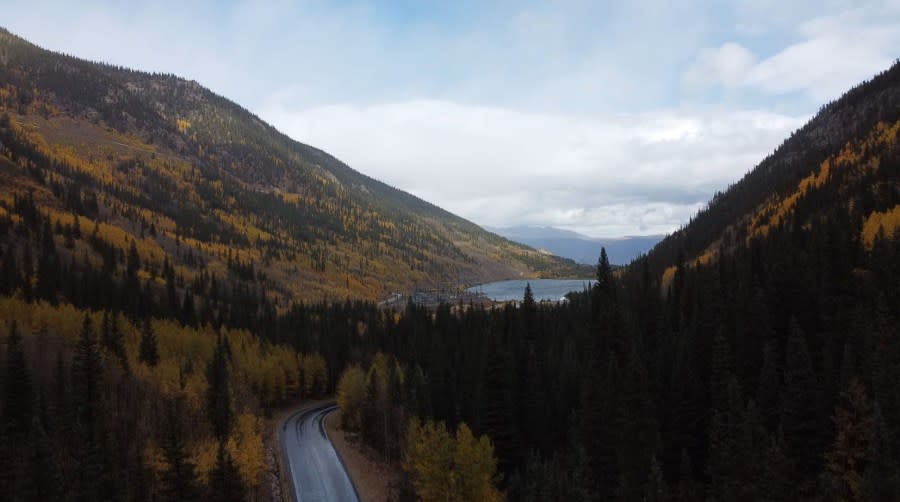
(317, 472)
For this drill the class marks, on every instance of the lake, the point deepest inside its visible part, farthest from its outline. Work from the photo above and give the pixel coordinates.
(543, 289)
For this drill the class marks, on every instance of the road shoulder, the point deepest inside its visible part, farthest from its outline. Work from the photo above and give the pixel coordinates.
(372, 479)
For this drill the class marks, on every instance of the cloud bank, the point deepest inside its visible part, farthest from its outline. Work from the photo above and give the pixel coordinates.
(602, 175)
(609, 118)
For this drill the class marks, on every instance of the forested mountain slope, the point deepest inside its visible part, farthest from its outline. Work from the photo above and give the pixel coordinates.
(829, 166)
(754, 355)
(195, 180)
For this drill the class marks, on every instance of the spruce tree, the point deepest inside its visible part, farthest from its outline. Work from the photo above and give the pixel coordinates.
(179, 478)
(42, 481)
(148, 353)
(801, 417)
(768, 393)
(112, 339)
(655, 489)
(17, 402)
(87, 375)
(499, 411)
(218, 391)
(846, 458)
(225, 483)
(881, 475)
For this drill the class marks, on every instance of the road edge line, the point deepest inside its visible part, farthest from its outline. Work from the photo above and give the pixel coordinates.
(338, 453)
(287, 477)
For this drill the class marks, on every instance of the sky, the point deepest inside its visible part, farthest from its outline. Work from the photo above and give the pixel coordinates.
(609, 118)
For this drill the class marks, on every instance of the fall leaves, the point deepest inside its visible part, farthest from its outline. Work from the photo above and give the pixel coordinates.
(447, 467)
(442, 466)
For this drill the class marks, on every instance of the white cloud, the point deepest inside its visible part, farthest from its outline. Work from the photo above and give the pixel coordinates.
(566, 112)
(831, 54)
(604, 175)
(836, 53)
(727, 65)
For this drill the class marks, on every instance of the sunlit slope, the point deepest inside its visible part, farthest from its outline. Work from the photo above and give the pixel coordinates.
(203, 186)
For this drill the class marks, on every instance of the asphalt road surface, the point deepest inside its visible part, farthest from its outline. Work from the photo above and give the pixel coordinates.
(315, 468)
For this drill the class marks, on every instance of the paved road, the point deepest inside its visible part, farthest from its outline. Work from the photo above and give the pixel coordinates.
(316, 471)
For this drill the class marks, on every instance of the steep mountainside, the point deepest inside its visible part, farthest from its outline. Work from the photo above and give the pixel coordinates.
(768, 324)
(839, 168)
(204, 189)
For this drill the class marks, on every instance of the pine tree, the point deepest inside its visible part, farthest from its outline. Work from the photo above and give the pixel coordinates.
(848, 459)
(776, 482)
(42, 482)
(687, 486)
(637, 429)
(148, 353)
(801, 418)
(372, 427)
(17, 402)
(179, 478)
(768, 393)
(655, 489)
(87, 375)
(225, 484)
(882, 477)
(499, 411)
(112, 339)
(600, 395)
(218, 391)
(604, 289)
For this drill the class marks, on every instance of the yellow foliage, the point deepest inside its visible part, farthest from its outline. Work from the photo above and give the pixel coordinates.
(888, 220)
(351, 393)
(430, 461)
(668, 276)
(444, 468)
(476, 467)
(147, 248)
(315, 375)
(245, 445)
(246, 448)
(852, 155)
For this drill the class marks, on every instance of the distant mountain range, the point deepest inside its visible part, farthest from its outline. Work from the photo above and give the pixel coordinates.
(579, 247)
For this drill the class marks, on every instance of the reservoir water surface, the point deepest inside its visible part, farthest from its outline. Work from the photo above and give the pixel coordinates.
(542, 289)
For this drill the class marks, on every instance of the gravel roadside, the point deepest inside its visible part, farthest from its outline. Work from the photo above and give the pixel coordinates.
(372, 479)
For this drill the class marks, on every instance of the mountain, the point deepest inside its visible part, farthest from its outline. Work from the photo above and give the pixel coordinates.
(773, 314)
(838, 173)
(579, 247)
(111, 158)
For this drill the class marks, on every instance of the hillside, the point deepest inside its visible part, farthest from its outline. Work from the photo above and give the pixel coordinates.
(207, 191)
(839, 168)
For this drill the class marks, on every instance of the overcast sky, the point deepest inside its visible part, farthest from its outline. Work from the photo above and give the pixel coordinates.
(607, 118)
